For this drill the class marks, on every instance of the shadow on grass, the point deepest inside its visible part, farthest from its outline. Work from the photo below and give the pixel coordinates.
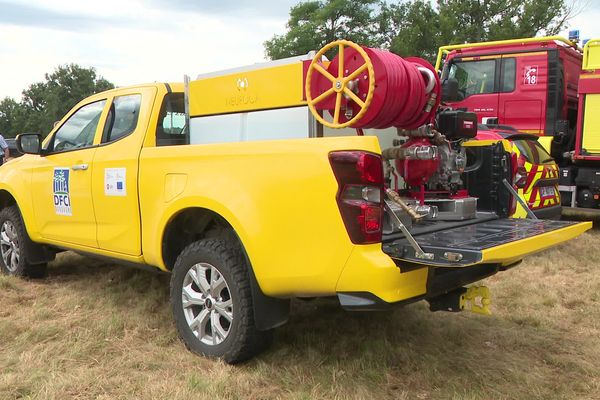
(75, 269)
(319, 325)
(407, 343)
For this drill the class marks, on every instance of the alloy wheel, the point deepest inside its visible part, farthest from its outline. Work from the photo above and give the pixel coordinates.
(9, 246)
(207, 304)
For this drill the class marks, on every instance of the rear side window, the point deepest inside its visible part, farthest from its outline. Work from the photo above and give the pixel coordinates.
(533, 152)
(122, 117)
(171, 129)
(474, 77)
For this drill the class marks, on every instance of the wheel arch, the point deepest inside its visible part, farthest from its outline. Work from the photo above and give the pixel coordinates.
(35, 253)
(6, 198)
(194, 223)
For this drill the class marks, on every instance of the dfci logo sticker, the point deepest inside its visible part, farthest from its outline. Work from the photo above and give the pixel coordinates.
(62, 201)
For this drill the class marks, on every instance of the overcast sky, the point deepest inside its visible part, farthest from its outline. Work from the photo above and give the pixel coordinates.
(136, 41)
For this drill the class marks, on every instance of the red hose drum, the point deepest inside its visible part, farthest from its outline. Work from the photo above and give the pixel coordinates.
(406, 93)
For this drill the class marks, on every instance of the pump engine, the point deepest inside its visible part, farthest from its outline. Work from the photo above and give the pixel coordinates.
(366, 88)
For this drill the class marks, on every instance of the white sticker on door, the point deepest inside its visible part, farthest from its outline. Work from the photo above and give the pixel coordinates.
(60, 191)
(530, 75)
(114, 182)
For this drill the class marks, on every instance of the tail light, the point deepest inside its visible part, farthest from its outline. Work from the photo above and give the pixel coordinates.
(514, 168)
(360, 194)
(519, 172)
(520, 177)
(513, 206)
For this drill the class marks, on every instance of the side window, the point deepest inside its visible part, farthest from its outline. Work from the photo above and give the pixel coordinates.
(474, 77)
(79, 130)
(171, 129)
(122, 117)
(509, 75)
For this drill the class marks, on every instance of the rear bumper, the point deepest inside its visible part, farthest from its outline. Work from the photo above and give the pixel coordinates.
(439, 281)
(365, 301)
(370, 270)
(374, 280)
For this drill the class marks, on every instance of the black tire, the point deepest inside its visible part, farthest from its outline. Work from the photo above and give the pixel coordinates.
(13, 246)
(242, 340)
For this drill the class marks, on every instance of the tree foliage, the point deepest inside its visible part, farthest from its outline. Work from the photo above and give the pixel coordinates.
(415, 27)
(45, 102)
(410, 28)
(314, 23)
(476, 20)
(11, 116)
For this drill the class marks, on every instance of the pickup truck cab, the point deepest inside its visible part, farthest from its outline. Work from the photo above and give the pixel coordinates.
(192, 180)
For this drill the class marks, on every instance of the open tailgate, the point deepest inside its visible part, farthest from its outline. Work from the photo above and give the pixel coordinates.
(499, 241)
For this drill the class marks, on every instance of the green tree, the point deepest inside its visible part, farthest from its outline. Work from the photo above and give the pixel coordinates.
(45, 102)
(11, 117)
(477, 20)
(417, 27)
(313, 24)
(410, 28)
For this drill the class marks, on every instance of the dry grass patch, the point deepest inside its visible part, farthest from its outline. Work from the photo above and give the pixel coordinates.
(98, 331)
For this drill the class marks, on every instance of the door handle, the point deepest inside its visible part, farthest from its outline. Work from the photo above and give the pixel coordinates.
(79, 167)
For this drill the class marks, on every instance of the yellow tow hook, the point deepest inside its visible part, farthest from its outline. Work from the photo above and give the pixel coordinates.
(476, 299)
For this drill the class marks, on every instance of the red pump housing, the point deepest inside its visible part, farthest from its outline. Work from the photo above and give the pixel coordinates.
(416, 172)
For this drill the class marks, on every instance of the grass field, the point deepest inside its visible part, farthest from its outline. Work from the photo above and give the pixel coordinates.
(97, 331)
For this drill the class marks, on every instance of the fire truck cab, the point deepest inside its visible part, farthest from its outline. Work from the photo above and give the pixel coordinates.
(543, 86)
(529, 84)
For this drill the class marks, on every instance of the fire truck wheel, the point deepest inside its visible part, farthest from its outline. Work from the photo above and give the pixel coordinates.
(212, 302)
(13, 239)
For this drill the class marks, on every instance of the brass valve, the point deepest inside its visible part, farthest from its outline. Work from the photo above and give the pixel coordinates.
(395, 197)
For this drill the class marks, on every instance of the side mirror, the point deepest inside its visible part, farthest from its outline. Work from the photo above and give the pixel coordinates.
(450, 90)
(29, 143)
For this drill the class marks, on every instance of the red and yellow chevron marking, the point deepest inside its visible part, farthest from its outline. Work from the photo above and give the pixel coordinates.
(531, 193)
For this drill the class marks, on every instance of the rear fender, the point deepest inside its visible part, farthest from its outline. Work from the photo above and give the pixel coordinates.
(269, 312)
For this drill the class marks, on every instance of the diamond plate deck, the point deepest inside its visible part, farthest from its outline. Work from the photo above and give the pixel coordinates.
(471, 240)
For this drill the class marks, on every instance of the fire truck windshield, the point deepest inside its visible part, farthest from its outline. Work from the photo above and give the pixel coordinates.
(474, 77)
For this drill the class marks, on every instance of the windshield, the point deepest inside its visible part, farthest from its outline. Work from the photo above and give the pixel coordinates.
(474, 77)
(533, 152)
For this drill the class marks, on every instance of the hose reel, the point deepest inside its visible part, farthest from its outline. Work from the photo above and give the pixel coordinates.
(370, 88)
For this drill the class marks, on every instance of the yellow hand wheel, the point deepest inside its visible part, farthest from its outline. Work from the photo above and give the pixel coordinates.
(341, 85)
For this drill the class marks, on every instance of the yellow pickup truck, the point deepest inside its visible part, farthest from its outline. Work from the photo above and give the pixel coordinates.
(230, 184)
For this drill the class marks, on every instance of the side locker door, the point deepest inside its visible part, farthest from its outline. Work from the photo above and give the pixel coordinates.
(523, 97)
(61, 179)
(115, 174)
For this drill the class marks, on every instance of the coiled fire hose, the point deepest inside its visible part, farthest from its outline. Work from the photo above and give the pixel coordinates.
(371, 88)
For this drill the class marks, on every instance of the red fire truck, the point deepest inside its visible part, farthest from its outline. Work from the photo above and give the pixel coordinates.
(544, 86)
